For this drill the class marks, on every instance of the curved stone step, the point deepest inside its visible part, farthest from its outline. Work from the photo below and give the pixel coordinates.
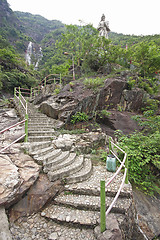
(100, 173)
(88, 202)
(46, 157)
(35, 146)
(81, 175)
(61, 161)
(65, 171)
(71, 216)
(42, 151)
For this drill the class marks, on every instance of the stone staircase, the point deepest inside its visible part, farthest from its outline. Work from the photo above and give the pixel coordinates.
(79, 204)
(57, 164)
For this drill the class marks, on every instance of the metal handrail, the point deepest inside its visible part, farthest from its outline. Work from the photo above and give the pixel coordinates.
(124, 164)
(2, 150)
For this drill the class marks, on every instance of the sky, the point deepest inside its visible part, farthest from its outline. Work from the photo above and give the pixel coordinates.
(137, 17)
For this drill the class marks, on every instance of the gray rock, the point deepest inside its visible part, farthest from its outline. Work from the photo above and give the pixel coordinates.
(53, 236)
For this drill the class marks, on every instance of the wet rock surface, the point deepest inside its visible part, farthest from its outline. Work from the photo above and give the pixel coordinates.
(148, 213)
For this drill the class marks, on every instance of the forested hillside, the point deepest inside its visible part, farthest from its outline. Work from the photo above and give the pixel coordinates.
(133, 58)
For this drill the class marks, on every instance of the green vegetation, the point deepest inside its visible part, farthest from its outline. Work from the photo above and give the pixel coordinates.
(94, 83)
(79, 117)
(94, 59)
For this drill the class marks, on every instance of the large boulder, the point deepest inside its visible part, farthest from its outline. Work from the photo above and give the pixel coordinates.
(114, 96)
(18, 173)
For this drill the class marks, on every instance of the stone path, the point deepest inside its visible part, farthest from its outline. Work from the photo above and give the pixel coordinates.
(75, 212)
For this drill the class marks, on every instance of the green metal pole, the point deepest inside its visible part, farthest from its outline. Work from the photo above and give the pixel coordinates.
(26, 128)
(126, 165)
(60, 79)
(15, 93)
(110, 146)
(45, 82)
(103, 207)
(19, 96)
(31, 93)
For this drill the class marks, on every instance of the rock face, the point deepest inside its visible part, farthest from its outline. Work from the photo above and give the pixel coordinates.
(38, 195)
(76, 97)
(18, 173)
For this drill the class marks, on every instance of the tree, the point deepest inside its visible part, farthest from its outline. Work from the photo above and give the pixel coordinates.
(146, 57)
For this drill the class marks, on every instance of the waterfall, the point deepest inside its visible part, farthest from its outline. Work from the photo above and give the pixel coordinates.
(39, 56)
(29, 53)
(33, 54)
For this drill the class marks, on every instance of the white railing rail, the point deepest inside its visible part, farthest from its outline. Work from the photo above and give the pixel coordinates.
(123, 163)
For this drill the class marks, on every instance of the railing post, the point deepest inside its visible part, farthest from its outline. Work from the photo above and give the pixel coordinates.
(126, 166)
(45, 82)
(110, 146)
(103, 207)
(26, 128)
(60, 78)
(19, 96)
(31, 93)
(15, 93)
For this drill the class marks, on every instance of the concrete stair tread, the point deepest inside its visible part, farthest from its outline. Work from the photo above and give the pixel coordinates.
(35, 146)
(92, 185)
(89, 202)
(51, 155)
(41, 133)
(40, 138)
(83, 174)
(65, 171)
(61, 161)
(63, 214)
(42, 151)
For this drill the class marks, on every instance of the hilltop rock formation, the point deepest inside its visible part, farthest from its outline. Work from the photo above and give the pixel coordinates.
(76, 97)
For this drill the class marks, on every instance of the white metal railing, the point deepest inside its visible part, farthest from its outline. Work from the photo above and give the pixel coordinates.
(23, 103)
(123, 163)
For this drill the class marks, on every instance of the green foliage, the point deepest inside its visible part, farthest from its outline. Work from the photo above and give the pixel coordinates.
(94, 83)
(143, 151)
(79, 117)
(104, 113)
(57, 90)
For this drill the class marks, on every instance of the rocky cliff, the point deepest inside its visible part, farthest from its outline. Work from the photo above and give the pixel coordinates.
(119, 102)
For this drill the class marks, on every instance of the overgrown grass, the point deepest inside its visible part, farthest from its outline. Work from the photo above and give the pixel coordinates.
(94, 83)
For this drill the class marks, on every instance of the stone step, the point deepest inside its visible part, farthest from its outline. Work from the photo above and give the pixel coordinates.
(83, 174)
(48, 164)
(41, 133)
(61, 161)
(71, 216)
(39, 128)
(32, 147)
(66, 171)
(42, 151)
(40, 138)
(88, 202)
(100, 173)
(49, 156)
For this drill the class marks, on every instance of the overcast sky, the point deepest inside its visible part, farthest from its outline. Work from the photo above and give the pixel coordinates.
(139, 17)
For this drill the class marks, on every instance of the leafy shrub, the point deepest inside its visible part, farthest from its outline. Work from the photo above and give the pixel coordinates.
(143, 151)
(94, 83)
(79, 117)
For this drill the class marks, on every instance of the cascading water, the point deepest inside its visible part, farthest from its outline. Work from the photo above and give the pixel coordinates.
(29, 53)
(39, 57)
(33, 52)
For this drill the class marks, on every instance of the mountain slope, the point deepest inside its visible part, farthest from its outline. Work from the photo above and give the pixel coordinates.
(36, 26)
